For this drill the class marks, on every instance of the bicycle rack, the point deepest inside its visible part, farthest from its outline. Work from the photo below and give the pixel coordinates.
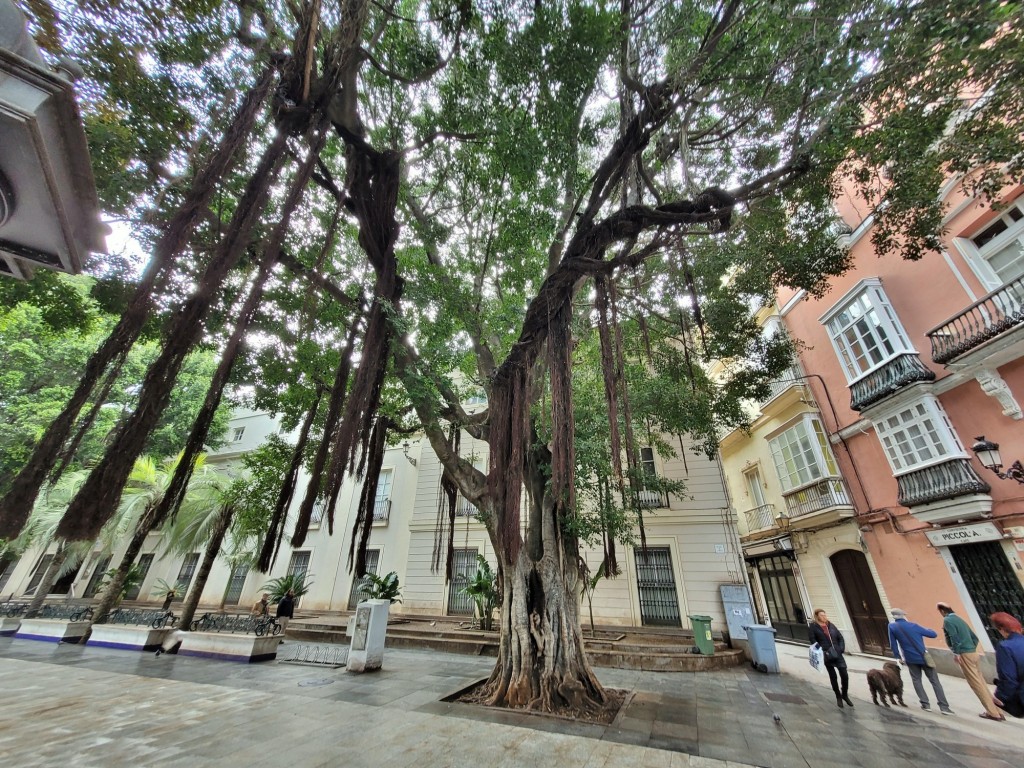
(332, 656)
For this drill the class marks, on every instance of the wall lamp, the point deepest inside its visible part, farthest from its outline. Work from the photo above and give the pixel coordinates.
(988, 454)
(405, 450)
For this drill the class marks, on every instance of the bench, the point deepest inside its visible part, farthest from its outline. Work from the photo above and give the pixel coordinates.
(229, 647)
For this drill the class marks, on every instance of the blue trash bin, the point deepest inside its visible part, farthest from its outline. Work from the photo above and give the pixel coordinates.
(761, 639)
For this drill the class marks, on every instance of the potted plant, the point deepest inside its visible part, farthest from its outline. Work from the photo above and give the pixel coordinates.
(167, 591)
(382, 587)
(482, 589)
(298, 583)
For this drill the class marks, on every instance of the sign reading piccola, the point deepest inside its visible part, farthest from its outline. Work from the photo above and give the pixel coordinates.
(964, 534)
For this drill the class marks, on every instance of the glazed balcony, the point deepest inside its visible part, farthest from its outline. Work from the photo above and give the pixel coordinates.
(948, 480)
(985, 319)
(891, 377)
(822, 503)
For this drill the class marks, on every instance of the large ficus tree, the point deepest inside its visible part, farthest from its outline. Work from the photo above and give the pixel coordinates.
(392, 192)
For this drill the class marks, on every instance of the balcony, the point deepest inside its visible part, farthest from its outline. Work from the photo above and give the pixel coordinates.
(891, 377)
(985, 319)
(826, 502)
(938, 482)
(761, 519)
(650, 499)
(381, 510)
(465, 509)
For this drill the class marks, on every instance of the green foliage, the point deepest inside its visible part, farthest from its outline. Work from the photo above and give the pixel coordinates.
(40, 366)
(163, 590)
(381, 587)
(299, 583)
(132, 580)
(482, 588)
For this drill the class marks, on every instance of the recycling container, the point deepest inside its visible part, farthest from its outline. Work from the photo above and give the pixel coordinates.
(763, 655)
(702, 634)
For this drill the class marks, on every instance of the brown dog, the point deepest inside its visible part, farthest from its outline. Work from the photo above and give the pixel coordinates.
(886, 680)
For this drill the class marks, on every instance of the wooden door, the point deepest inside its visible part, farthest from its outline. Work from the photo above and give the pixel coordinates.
(862, 601)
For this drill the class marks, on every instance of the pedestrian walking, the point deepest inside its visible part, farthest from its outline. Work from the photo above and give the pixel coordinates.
(1009, 694)
(285, 609)
(830, 640)
(965, 647)
(907, 642)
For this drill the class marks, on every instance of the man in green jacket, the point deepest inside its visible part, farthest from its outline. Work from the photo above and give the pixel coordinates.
(964, 644)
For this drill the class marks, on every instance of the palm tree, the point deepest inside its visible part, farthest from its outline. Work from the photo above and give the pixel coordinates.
(140, 500)
(204, 519)
(41, 528)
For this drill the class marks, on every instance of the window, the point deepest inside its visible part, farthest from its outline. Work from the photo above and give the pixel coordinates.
(754, 487)
(97, 576)
(464, 507)
(317, 516)
(235, 584)
(188, 570)
(865, 330)
(358, 593)
(1001, 247)
(236, 435)
(382, 501)
(299, 564)
(918, 436)
(802, 455)
(7, 563)
(38, 573)
(143, 567)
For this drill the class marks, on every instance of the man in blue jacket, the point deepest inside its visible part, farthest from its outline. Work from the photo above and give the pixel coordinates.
(907, 642)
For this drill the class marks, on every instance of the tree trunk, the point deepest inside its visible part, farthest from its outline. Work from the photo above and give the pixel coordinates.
(50, 576)
(541, 661)
(220, 530)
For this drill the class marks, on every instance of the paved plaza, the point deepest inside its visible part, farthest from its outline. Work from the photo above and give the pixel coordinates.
(69, 705)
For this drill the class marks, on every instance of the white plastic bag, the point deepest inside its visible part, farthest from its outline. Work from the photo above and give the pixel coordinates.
(816, 657)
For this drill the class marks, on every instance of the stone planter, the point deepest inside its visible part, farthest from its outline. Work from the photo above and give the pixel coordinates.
(228, 647)
(8, 626)
(129, 638)
(52, 630)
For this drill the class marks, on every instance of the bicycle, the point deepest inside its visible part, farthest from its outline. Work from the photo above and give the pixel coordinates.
(267, 625)
(166, 619)
(82, 614)
(206, 622)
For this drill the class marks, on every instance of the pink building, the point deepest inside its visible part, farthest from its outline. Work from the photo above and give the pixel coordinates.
(919, 359)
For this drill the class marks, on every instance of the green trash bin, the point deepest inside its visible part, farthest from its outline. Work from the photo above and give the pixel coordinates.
(702, 634)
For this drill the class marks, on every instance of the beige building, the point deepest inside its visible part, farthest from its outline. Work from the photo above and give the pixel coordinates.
(692, 545)
(801, 545)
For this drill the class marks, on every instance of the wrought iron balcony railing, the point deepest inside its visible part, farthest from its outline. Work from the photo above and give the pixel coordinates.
(947, 480)
(813, 498)
(983, 320)
(891, 377)
(465, 508)
(381, 510)
(760, 518)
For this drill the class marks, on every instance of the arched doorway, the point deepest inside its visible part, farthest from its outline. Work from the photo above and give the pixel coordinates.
(862, 601)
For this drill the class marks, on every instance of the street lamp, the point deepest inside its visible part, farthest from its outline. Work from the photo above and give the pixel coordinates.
(988, 454)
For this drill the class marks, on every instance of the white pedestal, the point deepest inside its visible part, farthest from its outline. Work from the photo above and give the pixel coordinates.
(369, 629)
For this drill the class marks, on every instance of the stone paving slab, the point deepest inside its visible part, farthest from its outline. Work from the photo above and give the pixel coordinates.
(75, 705)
